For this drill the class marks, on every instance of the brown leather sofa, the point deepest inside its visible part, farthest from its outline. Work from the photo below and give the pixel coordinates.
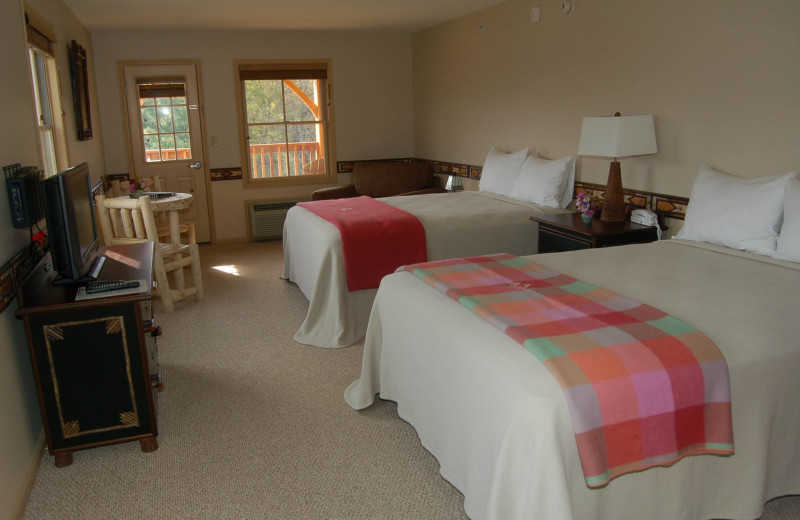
(385, 179)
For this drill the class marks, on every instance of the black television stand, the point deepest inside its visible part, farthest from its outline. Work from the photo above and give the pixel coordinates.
(95, 362)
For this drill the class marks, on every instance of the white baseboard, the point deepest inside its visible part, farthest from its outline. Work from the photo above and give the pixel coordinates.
(30, 479)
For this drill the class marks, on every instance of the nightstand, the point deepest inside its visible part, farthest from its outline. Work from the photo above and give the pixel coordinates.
(567, 232)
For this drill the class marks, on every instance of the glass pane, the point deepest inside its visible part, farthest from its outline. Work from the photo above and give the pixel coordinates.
(151, 150)
(151, 142)
(267, 151)
(40, 72)
(147, 102)
(180, 116)
(179, 101)
(149, 121)
(162, 101)
(165, 119)
(302, 99)
(167, 147)
(48, 151)
(263, 101)
(266, 134)
(182, 141)
(304, 133)
(284, 166)
(305, 148)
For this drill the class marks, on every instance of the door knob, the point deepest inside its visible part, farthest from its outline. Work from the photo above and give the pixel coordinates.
(196, 165)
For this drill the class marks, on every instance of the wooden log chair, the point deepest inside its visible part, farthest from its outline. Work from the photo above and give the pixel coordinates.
(126, 220)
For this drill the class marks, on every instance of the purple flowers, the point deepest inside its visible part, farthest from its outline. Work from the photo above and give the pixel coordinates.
(587, 204)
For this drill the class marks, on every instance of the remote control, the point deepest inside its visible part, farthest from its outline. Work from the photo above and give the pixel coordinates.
(105, 286)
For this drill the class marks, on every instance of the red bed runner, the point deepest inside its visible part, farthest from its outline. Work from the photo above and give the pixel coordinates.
(376, 238)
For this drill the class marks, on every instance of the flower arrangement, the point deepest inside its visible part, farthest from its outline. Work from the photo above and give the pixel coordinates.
(141, 184)
(588, 205)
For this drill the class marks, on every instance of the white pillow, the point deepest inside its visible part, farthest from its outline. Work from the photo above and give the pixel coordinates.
(500, 170)
(789, 239)
(740, 213)
(545, 182)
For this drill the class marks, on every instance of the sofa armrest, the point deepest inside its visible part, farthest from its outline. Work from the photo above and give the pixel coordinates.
(337, 192)
(435, 189)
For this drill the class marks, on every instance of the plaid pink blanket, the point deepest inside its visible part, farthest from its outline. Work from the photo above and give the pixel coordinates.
(643, 388)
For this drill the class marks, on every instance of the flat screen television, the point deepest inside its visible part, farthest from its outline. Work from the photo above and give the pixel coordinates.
(71, 225)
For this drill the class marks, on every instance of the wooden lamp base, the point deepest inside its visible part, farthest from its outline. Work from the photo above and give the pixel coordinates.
(613, 200)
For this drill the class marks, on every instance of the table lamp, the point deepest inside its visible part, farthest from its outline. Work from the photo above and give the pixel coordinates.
(617, 136)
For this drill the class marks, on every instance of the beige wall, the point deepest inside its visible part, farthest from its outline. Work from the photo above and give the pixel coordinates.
(371, 91)
(720, 76)
(19, 416)
(20, 423)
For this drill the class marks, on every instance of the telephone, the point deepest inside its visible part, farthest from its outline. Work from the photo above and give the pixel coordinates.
(646, 217)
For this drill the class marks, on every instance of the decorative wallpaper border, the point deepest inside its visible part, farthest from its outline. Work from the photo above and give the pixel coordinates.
(668, 205)
(226, 174)
(13, 272)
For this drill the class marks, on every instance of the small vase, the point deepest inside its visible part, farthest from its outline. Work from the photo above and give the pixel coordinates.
(586, 218)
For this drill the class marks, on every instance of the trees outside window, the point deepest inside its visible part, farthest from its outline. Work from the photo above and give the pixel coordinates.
(286, 125)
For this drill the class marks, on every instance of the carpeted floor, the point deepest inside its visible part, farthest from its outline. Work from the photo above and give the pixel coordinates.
(253, 425)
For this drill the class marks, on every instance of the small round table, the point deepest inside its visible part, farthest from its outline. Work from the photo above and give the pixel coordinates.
(173, 205)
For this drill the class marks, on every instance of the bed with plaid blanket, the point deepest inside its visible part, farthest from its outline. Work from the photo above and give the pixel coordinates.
(643, 388)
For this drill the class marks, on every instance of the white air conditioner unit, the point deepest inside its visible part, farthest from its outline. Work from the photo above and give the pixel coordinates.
(266, 219)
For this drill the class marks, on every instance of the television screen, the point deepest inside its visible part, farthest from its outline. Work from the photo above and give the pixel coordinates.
(81, 188)
(71, 224)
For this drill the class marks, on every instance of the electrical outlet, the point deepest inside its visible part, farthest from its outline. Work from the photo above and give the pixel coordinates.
(535, 11)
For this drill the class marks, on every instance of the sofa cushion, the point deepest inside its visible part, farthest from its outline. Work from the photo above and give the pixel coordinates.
(387, 179)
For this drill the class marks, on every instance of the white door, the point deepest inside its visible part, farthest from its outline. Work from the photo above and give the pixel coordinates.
(163, 112)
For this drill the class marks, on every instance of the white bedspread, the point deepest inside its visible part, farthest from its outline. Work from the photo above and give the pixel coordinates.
(497, 421)
(456, 224)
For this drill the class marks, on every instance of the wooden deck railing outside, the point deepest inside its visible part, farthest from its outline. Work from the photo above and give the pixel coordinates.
(267, 160)
(271, 160)
(168, 155)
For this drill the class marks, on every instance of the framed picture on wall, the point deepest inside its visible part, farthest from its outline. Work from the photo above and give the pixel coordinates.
(80, 91)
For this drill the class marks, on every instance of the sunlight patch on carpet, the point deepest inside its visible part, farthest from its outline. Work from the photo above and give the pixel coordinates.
(230, 269)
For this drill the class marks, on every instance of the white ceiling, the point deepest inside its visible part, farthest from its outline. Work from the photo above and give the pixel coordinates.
(405, 15)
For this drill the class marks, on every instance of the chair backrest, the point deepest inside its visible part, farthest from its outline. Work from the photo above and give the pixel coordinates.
(119, 188)
(126, 220)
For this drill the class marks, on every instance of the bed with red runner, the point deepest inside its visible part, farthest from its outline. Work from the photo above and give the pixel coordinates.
(376, 238)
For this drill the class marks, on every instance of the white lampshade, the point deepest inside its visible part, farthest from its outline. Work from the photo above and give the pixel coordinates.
(618, 136)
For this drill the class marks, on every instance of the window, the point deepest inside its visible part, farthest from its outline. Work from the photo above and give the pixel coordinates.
(165, 120)
(46, 92)
(286, 124)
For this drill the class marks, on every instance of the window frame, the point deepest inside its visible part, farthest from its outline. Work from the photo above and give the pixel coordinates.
(41, 40)
(163, 88)
(329, 127)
